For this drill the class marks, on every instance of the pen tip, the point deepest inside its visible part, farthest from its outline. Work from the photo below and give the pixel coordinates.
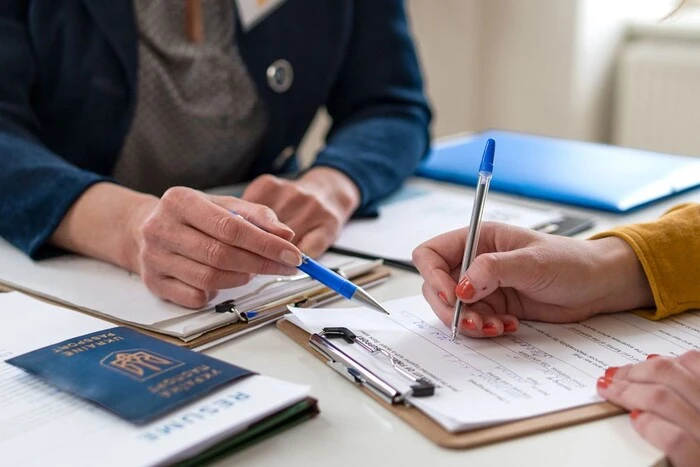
(454, 334)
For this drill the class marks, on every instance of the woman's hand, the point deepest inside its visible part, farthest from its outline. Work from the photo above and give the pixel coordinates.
(664, 397)
(316, 206)
(522, 274)
(186, 245)
(189, 245)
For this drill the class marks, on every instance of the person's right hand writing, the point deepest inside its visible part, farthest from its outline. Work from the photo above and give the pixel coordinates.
(522, 274)
(188, 245)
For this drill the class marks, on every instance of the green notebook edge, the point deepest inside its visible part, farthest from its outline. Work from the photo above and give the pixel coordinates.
(289, 417)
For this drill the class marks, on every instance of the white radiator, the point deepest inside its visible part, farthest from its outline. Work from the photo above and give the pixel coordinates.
(657, 95)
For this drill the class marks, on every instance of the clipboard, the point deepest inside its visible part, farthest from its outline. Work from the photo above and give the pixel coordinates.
(312, 297)
(473, 438)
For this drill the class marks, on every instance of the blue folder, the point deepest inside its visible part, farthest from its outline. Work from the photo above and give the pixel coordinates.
(586, 174)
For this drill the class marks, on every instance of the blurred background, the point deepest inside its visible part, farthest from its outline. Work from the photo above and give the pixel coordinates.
(595, 70)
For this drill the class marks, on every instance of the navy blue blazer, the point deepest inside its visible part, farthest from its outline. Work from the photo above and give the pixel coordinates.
(68, 72)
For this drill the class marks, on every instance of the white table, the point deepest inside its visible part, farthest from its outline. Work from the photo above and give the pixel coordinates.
(353, 429)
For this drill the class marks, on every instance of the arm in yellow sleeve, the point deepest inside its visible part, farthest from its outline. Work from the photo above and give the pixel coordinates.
(669, 250)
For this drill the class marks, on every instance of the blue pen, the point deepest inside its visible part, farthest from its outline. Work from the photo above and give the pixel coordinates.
(482, 189)
(334, 281)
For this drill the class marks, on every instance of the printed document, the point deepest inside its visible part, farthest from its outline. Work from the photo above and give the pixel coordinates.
(542, 368)
(40, 425)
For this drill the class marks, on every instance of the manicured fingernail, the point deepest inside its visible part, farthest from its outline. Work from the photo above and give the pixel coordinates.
(290, 258)
(443, 297)
(603, 382)
(610, 372)
(653, 355)
(509, 326)
(635, 413)
(468, 323)
(465, 290)
(490, 329)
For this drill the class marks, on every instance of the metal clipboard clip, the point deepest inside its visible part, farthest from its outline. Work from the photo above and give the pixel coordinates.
(351, 369)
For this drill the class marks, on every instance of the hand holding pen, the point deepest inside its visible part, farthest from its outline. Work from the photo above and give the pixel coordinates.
(482, 189)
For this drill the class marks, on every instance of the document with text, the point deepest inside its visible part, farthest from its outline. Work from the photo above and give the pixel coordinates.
(540, 369)
(41, 425)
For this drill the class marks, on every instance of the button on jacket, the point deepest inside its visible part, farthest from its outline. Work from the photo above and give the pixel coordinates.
(68, 74)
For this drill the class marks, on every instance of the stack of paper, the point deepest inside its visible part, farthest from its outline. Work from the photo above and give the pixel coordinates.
(117, 294)
(542, 368)
(40, 425)
(415, 217)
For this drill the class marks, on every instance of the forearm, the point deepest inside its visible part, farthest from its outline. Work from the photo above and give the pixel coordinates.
(101, 224)
(668, 250)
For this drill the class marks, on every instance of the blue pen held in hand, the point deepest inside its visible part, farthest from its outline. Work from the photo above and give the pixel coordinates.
(334, 281)
(482, 189)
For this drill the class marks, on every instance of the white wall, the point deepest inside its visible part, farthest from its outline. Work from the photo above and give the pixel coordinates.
(537, 66)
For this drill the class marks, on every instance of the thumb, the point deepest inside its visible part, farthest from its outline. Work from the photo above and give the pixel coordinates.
(257, 214)
(489, 271)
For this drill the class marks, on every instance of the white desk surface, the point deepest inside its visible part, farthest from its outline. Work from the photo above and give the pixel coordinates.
(353, 429)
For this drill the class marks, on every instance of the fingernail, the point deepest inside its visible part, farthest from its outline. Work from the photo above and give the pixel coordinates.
(653, 355)
(290, 258)
(509, 326)
(610, 372)
(490, 329)
(603, 382)
(443, 297)
(468, 323)
(465, 290)
(635, 413)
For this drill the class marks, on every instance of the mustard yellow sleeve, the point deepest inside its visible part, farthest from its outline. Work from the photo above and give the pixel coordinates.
(669, 250)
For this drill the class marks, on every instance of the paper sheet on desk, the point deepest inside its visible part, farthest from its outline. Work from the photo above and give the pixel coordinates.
(406, 223)
(541, 369)
(40, 425)
(112, 292)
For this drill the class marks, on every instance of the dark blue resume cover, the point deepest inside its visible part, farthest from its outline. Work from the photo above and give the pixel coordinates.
(138, 377)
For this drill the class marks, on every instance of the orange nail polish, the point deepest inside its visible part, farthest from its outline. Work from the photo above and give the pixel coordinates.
(509, 326)
(465, 290)
(610, 372)
(635, 413)
(603, 382)
(490, 329)
(653, 355)
(469, 324)
(443, 297)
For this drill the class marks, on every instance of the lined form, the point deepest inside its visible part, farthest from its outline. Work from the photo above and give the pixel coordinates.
(542, 368)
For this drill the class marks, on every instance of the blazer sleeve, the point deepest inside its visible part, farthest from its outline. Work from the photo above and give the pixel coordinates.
(669, 250)
(37, 187)
(380, 114)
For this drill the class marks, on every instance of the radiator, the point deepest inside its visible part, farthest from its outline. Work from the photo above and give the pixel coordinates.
(657, 95)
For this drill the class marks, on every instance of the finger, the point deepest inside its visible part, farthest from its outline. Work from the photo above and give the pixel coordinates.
(672, 372)
(196, 274)
(199, 247)
(316, 242)
(178, 292)
(442, 284)
(490, 271)
(260, 216)
(657, 398)
(680, 447)
(443, 252)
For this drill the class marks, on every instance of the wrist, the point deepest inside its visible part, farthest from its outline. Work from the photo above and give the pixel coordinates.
(102, 224)
(625, 283)
(334, 186)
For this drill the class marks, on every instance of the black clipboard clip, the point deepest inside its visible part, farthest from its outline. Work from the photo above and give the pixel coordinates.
(351, 369)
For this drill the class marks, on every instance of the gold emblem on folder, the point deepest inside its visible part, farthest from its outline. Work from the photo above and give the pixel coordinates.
(139, 364)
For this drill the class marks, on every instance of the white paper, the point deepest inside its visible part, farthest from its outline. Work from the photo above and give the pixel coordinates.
(40, 425)
(112, 292)
(406, 223)
(542, 368)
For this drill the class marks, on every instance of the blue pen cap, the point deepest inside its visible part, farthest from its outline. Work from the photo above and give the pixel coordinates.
(487, 158)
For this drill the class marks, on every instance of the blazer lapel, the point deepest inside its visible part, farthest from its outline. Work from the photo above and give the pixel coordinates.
(115, 18)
